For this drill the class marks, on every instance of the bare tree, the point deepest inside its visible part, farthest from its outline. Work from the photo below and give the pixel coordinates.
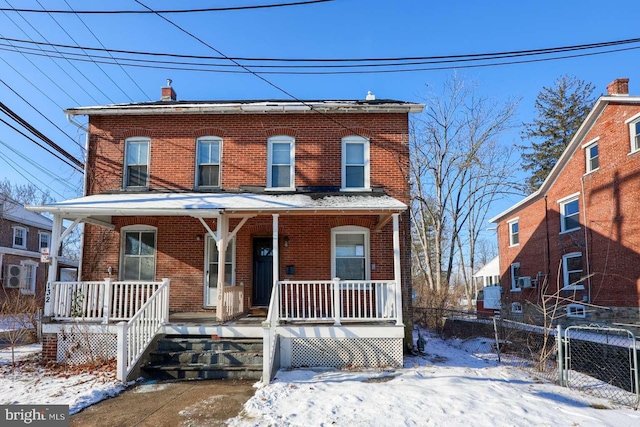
(19, 317)
(459, 167)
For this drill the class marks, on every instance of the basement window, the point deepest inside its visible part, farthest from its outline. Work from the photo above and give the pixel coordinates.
(576, 310)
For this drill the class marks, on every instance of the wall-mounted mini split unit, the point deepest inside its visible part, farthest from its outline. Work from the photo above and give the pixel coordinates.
(525, 282)
(13, 276)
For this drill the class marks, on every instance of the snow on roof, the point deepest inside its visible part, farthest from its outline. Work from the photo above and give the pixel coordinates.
(491, 268)
(197, 204)
(14, 211)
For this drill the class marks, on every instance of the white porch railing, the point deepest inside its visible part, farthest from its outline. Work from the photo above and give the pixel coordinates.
(232, 302)
(106, 300)
(135, 335)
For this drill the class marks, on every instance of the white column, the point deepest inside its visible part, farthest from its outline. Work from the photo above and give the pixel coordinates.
(276, 252)
(397, 272)
(56, 232)
(223, 232)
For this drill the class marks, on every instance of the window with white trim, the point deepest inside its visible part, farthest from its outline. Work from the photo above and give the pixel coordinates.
(514, 271)
(570, 214)
(576, 310)
(281, 162)
(29, 283)
(136, 165)
(350, 253)
(514, 237)
(208, 161)
(355, 163)
(44, 240)
(229, 264)
(516, 307)
(572, 271)
(138, 253)
(20, 237)
(634, 133)
(591, 155)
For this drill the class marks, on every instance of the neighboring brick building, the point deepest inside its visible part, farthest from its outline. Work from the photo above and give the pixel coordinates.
(174, 185)
(22, 235)
(579, 232)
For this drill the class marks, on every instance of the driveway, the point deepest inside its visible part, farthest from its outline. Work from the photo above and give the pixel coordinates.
(181, 403)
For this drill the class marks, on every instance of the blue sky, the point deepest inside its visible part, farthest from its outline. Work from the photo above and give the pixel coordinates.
(336, 29)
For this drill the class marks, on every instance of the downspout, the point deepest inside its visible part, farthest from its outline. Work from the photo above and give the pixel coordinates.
(548, 257)
(84, 186)
(586, 239)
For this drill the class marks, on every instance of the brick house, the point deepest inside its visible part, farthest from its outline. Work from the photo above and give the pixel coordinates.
(578, 233)
(22, 236)
(296, 211)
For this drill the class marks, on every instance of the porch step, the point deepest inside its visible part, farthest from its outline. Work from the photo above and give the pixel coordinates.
(205, 357)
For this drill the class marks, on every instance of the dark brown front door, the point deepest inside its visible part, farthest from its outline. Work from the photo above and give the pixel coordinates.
(262, 270)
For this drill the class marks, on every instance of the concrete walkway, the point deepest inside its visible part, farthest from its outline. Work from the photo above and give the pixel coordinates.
(181, 403)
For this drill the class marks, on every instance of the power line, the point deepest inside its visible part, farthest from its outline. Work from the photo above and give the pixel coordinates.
(15, 168)
(169, 11)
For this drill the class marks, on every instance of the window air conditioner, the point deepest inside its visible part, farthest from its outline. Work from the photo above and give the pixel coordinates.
(525, 282)
(13, 276)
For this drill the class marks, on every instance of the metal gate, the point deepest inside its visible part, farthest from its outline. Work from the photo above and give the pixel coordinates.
(601, 361)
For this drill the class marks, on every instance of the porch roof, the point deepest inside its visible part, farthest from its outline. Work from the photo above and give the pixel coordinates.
(102, 207)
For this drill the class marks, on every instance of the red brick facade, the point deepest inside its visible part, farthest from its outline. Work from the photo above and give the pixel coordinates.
(608, 236)
(318, 151)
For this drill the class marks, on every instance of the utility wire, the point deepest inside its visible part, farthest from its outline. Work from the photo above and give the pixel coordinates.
(19, 172)
(210, 9)
(104, 47)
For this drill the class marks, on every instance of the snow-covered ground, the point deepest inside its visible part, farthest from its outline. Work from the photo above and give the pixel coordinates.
(448, 386)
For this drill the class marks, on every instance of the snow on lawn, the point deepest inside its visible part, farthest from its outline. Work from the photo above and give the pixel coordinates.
(38, 384)
(447, 386)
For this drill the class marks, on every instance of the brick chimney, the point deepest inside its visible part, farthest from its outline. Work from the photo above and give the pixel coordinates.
(168, 94)
(618, 87)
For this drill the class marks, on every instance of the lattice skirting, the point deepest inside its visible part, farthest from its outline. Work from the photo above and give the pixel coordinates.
(86, 347)
(346, 352)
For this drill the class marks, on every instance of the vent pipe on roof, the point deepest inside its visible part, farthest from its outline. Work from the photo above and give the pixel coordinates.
(370, 96)
(618, 87)
(168, 94)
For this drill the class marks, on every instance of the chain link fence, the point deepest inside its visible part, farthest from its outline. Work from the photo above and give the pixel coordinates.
(598, 360)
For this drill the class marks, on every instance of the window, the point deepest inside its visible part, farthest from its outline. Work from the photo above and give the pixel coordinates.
(576, 310)
(229, 270)
(591, 153)
(138, 253)
(515, 275)
(280, 158)
(208, 167)
(20, 237)
(514, 238)
(634, 133)
(569, 213)
(350, 253)
(572, 271)
(29, 287)
(136, 173)
(355, 163)
(45, 240)
(516, 307)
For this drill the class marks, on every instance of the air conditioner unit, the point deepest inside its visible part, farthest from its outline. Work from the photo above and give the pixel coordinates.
(525, 282)
(13, 276)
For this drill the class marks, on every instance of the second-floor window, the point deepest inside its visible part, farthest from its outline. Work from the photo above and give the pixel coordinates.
(514, 235)
(634, 131)
(355, 163)
(20, 237)
(208, 168)
(281, 159)
(136, 173)
(591, 153)
(45, 240)
(569, 213)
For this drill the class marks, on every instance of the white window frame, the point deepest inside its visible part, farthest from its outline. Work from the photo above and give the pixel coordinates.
(510, 224)
(281, 139)
(125, 175)
(565, 272)
(198, 164)
(576, 310)
(351, 229)
(516, 307)
(30, 277)
(366, 165)
(587, 155)
(133, 229)
(47, 237)
(231, 245)
(513, 277)
(18, 229)
(563, 203)
(634, 138)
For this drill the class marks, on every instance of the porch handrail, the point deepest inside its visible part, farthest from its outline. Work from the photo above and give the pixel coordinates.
(269, 335)
(232, 302)
(135, 335)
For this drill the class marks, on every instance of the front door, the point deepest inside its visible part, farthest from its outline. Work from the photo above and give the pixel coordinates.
(262, 270)
(211, 271)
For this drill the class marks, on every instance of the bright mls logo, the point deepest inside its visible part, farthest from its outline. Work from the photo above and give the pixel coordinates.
(34, 415)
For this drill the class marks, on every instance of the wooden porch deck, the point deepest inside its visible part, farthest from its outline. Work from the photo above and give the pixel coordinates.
(208, 318)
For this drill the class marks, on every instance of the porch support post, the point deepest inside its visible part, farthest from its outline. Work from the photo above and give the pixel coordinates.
(56, 231)
(276, 252)
(222, 242)
(397, 272)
